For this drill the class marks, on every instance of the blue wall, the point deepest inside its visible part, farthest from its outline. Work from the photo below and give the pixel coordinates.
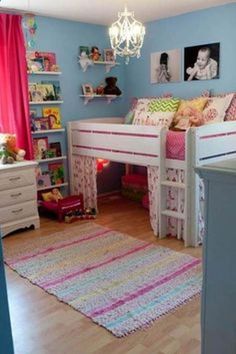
(64, 38)
(207, 26)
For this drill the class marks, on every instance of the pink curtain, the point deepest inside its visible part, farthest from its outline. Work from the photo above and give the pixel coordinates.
(14, 106)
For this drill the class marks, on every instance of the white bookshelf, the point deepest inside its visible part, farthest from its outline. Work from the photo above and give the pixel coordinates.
(51, 159)
(53, 186)
(48, 131)
(45, 102)
(44, 72)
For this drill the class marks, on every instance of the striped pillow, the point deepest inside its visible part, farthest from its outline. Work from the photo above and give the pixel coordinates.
(164, 105)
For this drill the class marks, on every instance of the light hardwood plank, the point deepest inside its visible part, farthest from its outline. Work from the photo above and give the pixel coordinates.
(43, 325)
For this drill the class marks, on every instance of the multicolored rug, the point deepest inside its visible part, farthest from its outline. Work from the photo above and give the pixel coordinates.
(121, 283)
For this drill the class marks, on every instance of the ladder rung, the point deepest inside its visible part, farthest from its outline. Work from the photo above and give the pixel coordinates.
(173, 184)
(173, 214)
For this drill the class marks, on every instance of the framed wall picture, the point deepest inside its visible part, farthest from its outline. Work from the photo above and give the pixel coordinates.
(109, 55)
(166, 66)
(201, 62)
(87, 89)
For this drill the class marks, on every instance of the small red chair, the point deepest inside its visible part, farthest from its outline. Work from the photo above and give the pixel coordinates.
(64, 206)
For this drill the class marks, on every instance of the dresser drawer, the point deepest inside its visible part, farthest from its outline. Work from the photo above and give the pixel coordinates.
(17, 195)
(17, 178)
(18, 211)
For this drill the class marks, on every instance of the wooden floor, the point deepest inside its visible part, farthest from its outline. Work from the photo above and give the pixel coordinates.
(43, 325)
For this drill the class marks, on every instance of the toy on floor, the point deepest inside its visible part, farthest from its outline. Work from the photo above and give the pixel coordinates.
(54, 202)
(88, 213)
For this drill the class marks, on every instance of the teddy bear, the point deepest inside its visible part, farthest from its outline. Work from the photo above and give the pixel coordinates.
(111, 88)
(188, 117)
(11, 147)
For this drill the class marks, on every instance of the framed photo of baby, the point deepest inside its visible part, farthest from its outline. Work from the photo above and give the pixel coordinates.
(201, 62)
(166, 66)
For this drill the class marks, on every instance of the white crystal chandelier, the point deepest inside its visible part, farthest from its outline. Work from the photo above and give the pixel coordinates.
(126, 35)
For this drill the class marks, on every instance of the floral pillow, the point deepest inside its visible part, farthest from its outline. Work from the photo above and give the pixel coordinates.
(215, 110)
(189, 113)
(160, 113)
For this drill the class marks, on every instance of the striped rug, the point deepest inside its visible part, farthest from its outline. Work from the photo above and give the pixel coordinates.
(121, 283)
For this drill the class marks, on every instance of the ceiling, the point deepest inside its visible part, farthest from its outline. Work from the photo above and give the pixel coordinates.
(104, 12)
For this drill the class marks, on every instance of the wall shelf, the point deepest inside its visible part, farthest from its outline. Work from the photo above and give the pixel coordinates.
(88, 98)
(58, 158)
(48, 131)
(108, 64)
(45, 102)
(44, 72)
(53, 186)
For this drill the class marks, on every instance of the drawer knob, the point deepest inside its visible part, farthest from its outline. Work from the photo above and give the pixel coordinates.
(13, 179)
(17, 211)
(16, 195)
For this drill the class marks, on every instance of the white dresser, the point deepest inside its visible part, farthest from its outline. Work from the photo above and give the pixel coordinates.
(18, 197)
(219, 259)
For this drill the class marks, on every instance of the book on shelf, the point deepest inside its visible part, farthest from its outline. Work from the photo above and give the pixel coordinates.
(57, 146)
(54, 116)
(43, 180)
(49, 60)
(56, 171)
(40, 146)
(47, 91)
(56, 87)
(34, 62)
(41, 61)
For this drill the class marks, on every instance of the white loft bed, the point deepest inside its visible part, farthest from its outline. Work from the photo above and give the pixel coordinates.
(108, 138)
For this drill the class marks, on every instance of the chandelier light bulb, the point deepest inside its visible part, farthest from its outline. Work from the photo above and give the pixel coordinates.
(126, 35)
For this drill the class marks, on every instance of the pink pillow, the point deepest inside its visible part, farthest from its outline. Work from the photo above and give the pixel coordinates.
(216, 108)
(231, 111)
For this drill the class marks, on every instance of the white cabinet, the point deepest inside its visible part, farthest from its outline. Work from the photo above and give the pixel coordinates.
(18, 197)
(219, 259)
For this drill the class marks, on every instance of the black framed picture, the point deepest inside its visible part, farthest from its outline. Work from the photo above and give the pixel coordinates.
(202, 62)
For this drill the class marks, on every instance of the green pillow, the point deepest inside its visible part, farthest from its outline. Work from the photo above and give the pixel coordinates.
(164, 105)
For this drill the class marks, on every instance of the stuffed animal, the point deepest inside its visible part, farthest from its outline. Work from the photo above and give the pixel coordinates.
(111, 88)
(188, 117)
(52, 196)
(11, 147)
(4, 155)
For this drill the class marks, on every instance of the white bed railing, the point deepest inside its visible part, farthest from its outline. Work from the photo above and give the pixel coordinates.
(145, 145)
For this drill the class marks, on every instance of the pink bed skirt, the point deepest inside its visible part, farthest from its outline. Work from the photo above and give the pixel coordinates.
(175, 145)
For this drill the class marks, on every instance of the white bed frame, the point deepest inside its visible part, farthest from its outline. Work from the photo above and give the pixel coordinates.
(108, 138)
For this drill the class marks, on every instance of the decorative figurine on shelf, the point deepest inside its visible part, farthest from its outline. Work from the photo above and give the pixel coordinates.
(95, 55)
(111, 88)
(99, 90)
(84, 61)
